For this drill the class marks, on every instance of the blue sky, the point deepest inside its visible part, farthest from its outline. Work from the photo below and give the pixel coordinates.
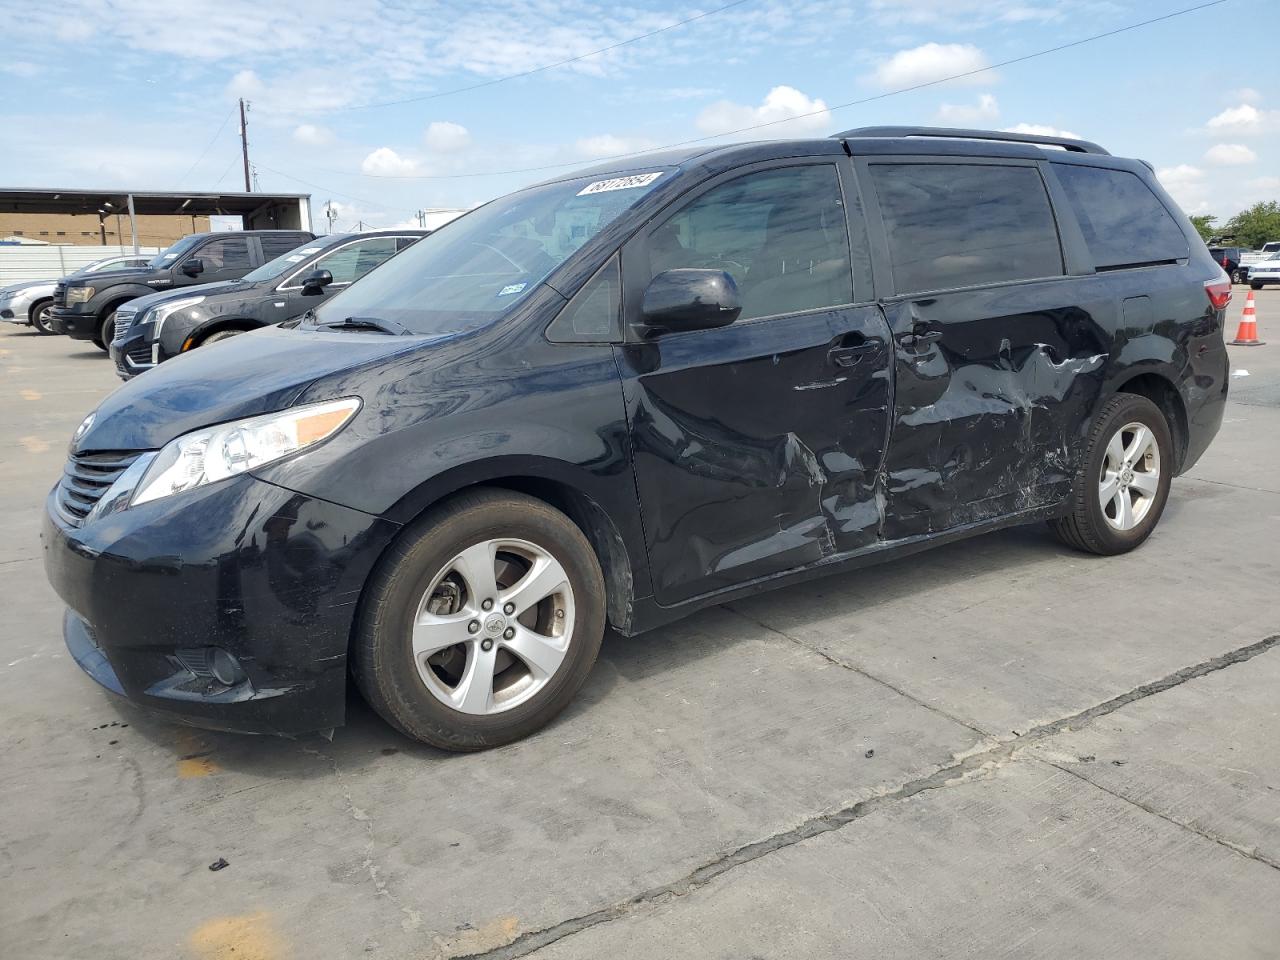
(139, 93)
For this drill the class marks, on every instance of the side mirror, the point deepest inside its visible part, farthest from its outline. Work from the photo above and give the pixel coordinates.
(316, 280)
(193, 267)
(678, 300)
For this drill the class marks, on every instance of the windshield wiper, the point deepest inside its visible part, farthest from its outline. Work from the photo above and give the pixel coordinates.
(368, 323)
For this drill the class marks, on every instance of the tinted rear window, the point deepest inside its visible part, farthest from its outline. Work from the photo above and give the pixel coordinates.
(275, 244)
(957, 225)
(1124, 223)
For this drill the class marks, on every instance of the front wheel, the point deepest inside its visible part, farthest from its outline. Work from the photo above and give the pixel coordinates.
(1254, 285)
(481, 623)
(107, 332)
(41, 320)
(1123, 483)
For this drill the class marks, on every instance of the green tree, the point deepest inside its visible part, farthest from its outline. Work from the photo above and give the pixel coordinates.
(1255, 226)
(1204, 226)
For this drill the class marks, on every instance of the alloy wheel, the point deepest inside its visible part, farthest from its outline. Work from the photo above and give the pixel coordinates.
(1130, 476)
(493, 627)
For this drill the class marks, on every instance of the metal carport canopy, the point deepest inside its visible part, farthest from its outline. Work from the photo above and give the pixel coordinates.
(260, 211)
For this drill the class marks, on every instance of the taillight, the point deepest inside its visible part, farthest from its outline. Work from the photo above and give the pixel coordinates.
(1224, 261)
(1219, 291)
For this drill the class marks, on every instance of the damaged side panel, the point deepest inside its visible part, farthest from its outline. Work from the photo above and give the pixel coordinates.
(990, 402)
(756, 448)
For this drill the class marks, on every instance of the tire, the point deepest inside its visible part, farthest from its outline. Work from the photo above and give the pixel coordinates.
(219, 335)
(426, 566)
(41, 320)
(106, 333)
(1098, 527)
(1255, 285)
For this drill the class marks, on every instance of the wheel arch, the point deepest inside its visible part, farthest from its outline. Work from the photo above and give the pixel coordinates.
(562, 486)
(1161, 390)
(200, 334)
(36, 305)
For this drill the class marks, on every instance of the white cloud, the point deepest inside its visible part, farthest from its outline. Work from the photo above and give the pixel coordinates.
(1245, 95)
(931, 62)
(1244, 119)
(1042, 130)
(1265, 183)
(986, 110)
(608, 145)
(780, 104)
(1230, 155)
(310, 135)
(1187, 185)
(442, 136)
(385, 162)
(20, 68)
(246, 83)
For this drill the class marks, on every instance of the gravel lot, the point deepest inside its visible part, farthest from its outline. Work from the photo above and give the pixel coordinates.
(998, 748)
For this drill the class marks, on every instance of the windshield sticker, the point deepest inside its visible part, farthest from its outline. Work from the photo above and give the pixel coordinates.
(306, 250)
(512, 288)
(295, 258)
(620, 183)
(169, 256)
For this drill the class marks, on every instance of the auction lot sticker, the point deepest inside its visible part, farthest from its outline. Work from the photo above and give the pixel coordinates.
(620, 183)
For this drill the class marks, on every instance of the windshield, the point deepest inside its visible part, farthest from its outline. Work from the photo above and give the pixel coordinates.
(478, 267)
(109, 264)
(166, 258)
(286, 261)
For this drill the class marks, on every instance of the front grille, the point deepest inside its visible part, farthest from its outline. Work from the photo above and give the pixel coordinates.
(140, 354)
(60, 294)
(86, 478)
(125, 316)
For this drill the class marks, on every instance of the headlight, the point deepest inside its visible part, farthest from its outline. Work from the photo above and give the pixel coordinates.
(80, 294)
(161, 313)
(215, 453)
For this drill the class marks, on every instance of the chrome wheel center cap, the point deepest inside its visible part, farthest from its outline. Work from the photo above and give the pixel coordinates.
(1127, 477)
(494, 624)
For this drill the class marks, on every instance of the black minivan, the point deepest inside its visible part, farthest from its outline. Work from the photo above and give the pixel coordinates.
(85, 308)
(622, 395)
(159, 326)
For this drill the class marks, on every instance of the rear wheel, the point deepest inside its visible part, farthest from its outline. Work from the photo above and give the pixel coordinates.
(1123, 483)
(40, 318)
(481, 623)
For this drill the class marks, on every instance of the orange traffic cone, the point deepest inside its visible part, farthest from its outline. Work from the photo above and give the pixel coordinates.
(1247, 332)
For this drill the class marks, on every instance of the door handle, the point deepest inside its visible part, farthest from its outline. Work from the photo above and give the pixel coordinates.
(924, 338)
(847, 356)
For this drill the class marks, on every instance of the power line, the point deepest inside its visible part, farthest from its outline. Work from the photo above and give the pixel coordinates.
(207, 146)
(547, 66)
(812, 113)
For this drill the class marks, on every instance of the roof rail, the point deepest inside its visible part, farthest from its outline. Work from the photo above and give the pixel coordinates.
(954, 133)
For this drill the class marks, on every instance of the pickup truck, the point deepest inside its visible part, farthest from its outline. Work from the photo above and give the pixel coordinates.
(84, 308)
(1250, 258)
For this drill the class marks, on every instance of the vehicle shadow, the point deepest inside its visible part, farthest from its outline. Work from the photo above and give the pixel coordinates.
(366, 738)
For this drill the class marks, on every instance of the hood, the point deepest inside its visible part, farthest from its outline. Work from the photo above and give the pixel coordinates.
(181, 293)
(111, 277)
(27, 285)
(258, 372)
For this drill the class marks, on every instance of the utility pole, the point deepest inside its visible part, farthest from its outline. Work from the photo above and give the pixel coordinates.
(422, 219)
(244, 147)
(330, 214)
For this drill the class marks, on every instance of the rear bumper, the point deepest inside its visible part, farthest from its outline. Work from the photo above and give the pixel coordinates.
(266, 575)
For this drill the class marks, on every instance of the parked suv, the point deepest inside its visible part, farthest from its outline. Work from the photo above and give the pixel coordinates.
(623, 395)
(155, 328)
(84, 308)
(1229, 258)
(29, 302)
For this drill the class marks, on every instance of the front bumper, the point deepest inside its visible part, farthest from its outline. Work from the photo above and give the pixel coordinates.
(133, 352)
(269, 576)
(76, 325)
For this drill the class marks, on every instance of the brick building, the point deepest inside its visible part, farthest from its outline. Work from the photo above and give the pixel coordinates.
(92, 230)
